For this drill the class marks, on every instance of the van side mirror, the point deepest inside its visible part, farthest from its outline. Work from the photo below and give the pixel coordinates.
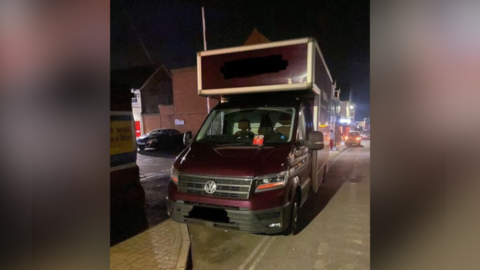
(315, 141)
(187, 138)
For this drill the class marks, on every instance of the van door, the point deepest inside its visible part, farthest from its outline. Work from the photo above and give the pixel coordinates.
(302, 163)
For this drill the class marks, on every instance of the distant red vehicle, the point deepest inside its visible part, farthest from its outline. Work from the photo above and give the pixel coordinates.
(353, 138)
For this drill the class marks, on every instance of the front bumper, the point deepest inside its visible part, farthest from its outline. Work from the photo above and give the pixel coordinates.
(238, 218)
(148, 144)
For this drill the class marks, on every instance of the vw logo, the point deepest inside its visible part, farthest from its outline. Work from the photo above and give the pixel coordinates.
(210, 187)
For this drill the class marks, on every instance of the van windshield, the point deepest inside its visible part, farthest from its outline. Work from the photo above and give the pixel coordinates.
(239, 126)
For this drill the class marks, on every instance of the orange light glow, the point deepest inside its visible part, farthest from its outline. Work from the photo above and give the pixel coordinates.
(175, 179)
(358, 139)
(270, 185)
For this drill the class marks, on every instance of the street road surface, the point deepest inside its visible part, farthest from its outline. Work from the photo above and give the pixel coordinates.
(154, 177)
(335, 228)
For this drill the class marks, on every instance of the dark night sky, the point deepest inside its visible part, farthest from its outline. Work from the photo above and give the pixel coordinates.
(172, 33)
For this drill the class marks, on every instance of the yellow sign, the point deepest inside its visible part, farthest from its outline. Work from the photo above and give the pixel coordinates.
(122, 139)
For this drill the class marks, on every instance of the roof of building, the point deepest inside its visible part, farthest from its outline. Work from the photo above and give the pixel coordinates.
(183, 69)
(160, 75)
(133, 77)
(256, 38)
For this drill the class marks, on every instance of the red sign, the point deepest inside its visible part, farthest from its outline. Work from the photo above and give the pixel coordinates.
(258, 140)
(137, 129)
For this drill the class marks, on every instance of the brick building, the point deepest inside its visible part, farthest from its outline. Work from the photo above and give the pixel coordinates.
(188, 108)
(156, 91)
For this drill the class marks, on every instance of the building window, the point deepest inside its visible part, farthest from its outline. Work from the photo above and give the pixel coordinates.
(136, 98)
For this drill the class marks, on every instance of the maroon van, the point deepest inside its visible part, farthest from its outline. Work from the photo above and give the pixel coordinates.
(260, 152)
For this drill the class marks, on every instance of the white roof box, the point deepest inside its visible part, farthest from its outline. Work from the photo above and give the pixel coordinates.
(277, 66)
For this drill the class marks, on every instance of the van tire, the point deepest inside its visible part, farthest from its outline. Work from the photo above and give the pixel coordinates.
(141, 147)
(293, 219)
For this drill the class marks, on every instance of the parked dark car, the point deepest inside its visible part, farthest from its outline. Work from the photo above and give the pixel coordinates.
(161, 139)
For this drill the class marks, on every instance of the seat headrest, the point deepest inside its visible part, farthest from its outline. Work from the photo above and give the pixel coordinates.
(285, 119)
(244, 124)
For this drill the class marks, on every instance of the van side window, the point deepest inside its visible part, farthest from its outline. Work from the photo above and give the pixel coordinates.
(308, 117)
(216, 126)
(305, 124)
(301, 126)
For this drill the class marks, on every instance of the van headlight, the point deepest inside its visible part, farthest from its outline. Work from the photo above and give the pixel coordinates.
(174, 175)
(271, 181)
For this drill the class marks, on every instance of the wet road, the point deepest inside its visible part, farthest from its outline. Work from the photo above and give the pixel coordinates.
(131, 219)
(155, 168)
(335, 228)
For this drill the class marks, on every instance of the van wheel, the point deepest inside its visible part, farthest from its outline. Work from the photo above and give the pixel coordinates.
(141, 147)
(293, 226)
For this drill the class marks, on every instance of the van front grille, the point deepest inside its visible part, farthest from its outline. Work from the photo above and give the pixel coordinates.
(226, 187)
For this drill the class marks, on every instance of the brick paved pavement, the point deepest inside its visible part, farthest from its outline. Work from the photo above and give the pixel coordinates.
(157, 248)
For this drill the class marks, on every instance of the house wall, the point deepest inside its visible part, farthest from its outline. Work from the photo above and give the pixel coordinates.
(187, 104)
(345, 113)
(151, 122)
(156, 90)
